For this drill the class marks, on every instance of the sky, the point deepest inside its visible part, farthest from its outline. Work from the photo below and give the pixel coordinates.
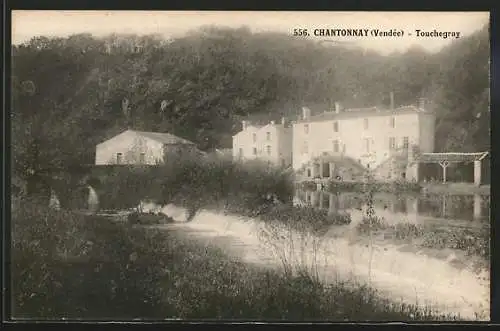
(27, 24)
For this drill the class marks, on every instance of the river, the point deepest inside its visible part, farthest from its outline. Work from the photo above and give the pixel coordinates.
(472, 211)
(410, 275)
(445, 279)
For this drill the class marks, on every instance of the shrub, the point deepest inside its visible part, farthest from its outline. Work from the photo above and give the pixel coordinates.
(371, 223)
(148, 218)
(196, 183)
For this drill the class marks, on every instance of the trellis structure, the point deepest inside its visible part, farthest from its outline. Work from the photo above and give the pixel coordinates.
(444, 160)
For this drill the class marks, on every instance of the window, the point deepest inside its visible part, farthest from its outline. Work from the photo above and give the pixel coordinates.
(367, 145)
(336, 146)
(268, 136)
(254, 137)
(254, 151)
(142, 158)
(305, 148)
(283, 163)
(365, 124)
(406, 142)
(306, 128)
(308, 172)
(119, 158)
(335, 126)
(392, 122)
(392, 143)
(268, 150)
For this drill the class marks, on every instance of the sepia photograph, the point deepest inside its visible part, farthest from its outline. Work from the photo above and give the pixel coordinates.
(250, 166)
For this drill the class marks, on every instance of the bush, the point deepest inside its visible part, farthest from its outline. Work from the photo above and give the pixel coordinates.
(148, 218)
(474, 243)
(372, 223)
(194, 181)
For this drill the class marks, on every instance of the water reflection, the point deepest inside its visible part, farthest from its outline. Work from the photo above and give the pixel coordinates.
(397, 208)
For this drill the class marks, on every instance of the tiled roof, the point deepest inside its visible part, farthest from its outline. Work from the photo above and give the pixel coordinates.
(165, 138)
(360, 112)
(451, 157)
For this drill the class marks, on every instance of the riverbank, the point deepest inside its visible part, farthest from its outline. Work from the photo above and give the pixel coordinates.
(396, 187)
(75, 266)
(456, 188)
(394, 270)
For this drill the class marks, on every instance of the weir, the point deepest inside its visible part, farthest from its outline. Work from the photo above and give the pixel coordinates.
(394, 273)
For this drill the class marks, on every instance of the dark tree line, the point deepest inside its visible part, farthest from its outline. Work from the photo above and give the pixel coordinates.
(67, 93)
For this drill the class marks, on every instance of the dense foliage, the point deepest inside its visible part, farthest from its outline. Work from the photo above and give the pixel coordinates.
(72, 266)
(195, 183)
(472, 242)
(67, 93)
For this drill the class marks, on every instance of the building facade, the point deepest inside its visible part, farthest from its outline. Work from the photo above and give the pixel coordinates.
(146, 148)
(370, 137)
(271, 142)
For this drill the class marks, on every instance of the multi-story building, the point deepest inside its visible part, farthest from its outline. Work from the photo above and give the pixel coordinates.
(271, 142)
(375, 139)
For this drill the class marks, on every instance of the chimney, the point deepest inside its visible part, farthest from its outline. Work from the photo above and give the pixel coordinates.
(306, 113)
(392, 100)
(421, 103)
(244, 125)
(337, 107)
(283, 120)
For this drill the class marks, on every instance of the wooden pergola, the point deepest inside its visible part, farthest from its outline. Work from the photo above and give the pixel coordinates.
(444, 160)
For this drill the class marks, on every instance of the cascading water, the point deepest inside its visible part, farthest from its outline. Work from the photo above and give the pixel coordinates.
(409, 276)
(93, 199)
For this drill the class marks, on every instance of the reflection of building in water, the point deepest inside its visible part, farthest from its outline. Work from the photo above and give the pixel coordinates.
(386, 206)
(392, 208)
(477, 206)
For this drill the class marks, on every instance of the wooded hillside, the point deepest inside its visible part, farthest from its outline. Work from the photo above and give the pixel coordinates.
(67, 93)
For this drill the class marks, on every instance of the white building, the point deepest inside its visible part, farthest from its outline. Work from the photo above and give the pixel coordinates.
(271, 142)
(139, 147)
(369, 137)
